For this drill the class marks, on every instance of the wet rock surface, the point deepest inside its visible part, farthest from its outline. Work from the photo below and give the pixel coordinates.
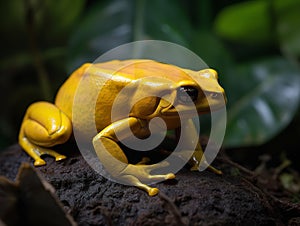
(193, 198)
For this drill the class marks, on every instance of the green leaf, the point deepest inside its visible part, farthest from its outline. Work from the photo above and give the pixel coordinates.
(288, 17)
(262, 99)
(206, 45)
(121, 21)
(57, 18)
(246, 22)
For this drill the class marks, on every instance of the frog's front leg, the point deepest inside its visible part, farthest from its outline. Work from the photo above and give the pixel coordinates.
(115, 161)
(44, 125)
(198, 158)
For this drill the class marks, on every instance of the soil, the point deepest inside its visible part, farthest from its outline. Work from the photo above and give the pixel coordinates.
(238, 197)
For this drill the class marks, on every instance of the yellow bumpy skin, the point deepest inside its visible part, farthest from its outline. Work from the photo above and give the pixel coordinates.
(46, 125)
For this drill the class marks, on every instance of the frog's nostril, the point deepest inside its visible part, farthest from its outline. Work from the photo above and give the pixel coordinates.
(214, 95)
(187, 94)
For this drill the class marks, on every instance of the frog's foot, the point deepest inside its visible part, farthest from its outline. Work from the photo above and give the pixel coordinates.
(36, 152)
(45, 151)
(198, 162)
(211, 168)
(136, 182)
(39, 162)
(137, 174)
(214, 170)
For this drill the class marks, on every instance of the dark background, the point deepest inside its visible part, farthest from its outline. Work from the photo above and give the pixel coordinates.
(254, 45)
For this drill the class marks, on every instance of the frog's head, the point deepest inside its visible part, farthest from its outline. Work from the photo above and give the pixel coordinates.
(170, 90)
(202, 91)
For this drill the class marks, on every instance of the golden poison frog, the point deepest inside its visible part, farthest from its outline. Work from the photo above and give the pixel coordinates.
(46, 124)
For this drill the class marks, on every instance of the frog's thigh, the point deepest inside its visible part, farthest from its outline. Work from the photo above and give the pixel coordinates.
(44, 125)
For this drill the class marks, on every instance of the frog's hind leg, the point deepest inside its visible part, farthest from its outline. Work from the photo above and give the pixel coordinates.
(44, 126)
(36, 152)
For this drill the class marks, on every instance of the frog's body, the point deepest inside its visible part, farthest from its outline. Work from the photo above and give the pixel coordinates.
(46, 125)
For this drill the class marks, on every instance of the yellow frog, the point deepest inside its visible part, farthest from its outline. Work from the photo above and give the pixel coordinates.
(46, 125)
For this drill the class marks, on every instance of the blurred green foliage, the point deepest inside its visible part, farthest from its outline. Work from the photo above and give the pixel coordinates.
(254, 45)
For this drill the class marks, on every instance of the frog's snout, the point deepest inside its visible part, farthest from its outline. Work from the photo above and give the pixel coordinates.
(215, 100)
(215, 95)
(220, 95)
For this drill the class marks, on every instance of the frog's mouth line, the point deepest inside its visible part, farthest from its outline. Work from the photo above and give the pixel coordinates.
(189, 112)
(173, 112)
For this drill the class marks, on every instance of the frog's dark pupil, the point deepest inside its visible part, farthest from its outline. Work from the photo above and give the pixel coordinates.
(187, 90)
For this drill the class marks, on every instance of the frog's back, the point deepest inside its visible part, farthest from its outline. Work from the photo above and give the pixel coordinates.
(101, 80)
(141, 68)
(112, 77)
(65, 95)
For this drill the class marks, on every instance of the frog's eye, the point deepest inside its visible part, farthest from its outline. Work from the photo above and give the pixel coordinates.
(187, 94)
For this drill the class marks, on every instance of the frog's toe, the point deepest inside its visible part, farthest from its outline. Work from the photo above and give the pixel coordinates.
(214, 170)
(153, 191)
(170, 176)
(161, 177)
(39, 162)
(211, 168)
(144, 161)
(194, 168)
(60, 157)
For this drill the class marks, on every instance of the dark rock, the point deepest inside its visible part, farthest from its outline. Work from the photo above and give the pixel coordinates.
(30, 201)
(192, 198)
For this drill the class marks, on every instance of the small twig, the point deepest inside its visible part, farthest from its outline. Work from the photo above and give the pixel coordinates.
(173, 209)
(288, 210)
(264, 196)
(225, 159)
